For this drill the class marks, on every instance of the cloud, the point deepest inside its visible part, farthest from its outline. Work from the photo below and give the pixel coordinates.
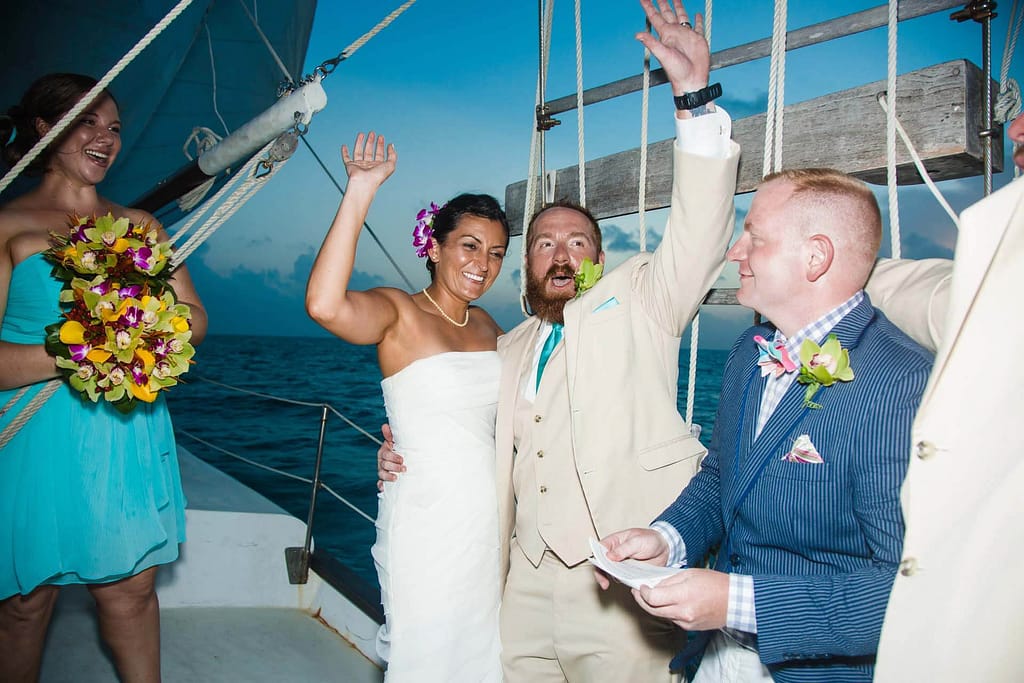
(740, 108)
(247, 301)
(616, 238)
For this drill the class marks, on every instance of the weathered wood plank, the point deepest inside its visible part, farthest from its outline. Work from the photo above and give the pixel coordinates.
(940, 106)
(803, 37)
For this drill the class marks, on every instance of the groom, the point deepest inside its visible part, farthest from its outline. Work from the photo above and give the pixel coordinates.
(589, 438)
(798, 499)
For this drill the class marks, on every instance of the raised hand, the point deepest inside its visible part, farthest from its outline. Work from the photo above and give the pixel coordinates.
(372, 160)
(680, 47)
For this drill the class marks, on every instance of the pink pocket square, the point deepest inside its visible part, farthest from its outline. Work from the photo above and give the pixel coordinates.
(804, 452)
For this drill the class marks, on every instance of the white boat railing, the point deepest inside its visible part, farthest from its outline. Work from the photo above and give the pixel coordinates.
(297, 559)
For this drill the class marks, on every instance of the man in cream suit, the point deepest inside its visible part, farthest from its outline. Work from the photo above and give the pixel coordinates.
(957, 608)
(589, 437)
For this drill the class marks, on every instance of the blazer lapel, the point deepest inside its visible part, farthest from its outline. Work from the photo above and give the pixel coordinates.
(788, 414)
(573, 317)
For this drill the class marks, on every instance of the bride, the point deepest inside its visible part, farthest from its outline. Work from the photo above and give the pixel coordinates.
(437, 531)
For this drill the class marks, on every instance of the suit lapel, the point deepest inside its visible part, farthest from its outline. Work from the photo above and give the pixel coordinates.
(573, 318)
(788, 414)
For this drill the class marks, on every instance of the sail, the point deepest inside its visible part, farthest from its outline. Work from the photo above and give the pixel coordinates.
(209, 68)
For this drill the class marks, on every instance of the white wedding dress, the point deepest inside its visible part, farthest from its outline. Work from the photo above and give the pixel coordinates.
(437, 526)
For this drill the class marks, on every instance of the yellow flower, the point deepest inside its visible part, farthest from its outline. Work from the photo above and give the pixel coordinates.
(120, 246)
(147, 358)
(179, 323)
(72, 332)
(99, 355)
(142, 393)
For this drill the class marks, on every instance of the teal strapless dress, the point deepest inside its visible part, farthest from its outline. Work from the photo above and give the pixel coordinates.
(87, 494)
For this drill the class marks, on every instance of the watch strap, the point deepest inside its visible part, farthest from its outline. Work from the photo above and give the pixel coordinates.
(691, 100)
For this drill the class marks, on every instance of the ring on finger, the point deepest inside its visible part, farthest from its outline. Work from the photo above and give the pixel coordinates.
(685, 24)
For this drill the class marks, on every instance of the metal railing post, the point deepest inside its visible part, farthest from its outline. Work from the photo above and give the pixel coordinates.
(297, 559)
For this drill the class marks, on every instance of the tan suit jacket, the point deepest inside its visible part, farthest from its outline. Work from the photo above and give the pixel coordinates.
(957, 608)
(632, 451)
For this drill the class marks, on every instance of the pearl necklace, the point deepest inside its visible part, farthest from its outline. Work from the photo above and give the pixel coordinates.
(445, 315)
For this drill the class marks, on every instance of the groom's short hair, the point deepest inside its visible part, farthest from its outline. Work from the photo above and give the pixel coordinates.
(564, 204)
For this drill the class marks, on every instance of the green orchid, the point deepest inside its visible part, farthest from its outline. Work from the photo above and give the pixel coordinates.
(587, 276)
(822, 366)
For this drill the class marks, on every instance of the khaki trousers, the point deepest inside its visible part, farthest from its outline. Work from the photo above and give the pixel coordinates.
(557, 625)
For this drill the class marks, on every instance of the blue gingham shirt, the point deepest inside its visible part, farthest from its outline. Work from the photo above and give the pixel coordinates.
(741, 615)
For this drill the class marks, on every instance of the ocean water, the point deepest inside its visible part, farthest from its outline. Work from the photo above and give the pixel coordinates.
(284, 435)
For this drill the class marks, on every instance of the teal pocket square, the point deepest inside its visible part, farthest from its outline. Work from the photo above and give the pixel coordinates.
(610, 303)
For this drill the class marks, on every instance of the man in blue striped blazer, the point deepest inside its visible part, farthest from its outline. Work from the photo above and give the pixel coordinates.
(797, 504)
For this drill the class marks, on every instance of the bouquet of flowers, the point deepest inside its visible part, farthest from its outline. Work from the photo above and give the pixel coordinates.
(123, 337)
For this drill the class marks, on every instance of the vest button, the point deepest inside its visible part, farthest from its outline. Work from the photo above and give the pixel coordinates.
(924, 449)
(543, 489)
(908, 567)
(540, 454)
(734, 560)
(537, 418)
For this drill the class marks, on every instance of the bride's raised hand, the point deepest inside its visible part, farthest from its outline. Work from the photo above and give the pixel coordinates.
(372, 160)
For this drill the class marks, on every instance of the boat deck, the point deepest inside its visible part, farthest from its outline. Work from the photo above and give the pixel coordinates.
(228, 645)
(227, 610)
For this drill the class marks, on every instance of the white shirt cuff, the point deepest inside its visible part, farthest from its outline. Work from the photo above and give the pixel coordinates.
(706, 135)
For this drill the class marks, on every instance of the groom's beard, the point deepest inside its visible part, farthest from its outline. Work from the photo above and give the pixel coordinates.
(547, 306)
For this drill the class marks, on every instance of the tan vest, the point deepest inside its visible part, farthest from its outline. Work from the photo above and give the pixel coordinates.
(547, 486)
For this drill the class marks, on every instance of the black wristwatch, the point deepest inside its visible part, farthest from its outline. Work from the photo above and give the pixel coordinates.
(698, 98)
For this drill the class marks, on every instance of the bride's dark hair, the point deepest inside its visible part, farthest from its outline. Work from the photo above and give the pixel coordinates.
(48, 99)
(446, 220)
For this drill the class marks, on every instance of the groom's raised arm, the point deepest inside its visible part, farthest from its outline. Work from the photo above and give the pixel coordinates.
(691, 255)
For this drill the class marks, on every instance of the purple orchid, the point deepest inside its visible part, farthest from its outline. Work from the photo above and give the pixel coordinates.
(78, 233)
(129, 291)
(131, 317)
(79, 351)
(423, 231)
(139, 376)
(141, 257)
(102, 288)
(161, 349)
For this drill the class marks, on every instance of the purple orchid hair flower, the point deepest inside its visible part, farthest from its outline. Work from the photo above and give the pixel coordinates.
(79, 351)
(424, 230)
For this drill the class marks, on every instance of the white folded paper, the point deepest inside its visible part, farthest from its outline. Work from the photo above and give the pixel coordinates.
(633, 573)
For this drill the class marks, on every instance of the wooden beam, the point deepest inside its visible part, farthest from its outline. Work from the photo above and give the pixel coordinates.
(803, 37)
(940, 107)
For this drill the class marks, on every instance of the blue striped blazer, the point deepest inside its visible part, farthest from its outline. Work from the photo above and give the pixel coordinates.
(822, 541)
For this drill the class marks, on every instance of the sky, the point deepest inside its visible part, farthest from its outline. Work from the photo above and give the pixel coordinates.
(452, 84)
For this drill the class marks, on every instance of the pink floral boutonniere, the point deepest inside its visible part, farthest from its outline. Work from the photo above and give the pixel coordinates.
(822, 366)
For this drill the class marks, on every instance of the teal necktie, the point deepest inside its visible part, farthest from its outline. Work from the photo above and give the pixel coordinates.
(549, 345)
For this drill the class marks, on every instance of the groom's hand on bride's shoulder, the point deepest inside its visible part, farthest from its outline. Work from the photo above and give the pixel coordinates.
(389, 463)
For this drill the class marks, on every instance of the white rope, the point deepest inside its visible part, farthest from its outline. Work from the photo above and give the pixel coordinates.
(579, 106)
(776, 92)
(28, 411)
(691, 380)
(383, 24)
(73, 113)
(213, 79)
(920, 166)
(890, 134)
(534, 171)
(252, 183)
(641, 202)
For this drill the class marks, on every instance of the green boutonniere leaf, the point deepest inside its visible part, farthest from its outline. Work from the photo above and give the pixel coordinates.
(587, 276)
(822, 366)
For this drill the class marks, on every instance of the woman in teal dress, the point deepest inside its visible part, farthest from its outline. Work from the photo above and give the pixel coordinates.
(88, 495)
